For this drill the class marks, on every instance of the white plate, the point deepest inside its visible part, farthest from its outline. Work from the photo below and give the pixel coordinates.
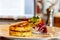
(4, 32)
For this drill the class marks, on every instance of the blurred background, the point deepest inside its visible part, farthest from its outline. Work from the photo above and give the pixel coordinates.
(16, 10)
(12, 11)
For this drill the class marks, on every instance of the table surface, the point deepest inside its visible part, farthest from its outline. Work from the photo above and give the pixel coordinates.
(53, 30)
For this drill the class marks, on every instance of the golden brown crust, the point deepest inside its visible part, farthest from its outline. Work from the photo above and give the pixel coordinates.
(20, 29)
(23, 26)
(19, 23)
(20, 34)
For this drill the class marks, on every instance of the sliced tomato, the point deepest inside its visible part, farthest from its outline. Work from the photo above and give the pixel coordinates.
(42, 21)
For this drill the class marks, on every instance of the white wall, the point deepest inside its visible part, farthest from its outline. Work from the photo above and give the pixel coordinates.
(11, 8)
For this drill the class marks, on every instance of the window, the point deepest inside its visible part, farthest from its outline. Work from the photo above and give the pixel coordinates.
(16, 8)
